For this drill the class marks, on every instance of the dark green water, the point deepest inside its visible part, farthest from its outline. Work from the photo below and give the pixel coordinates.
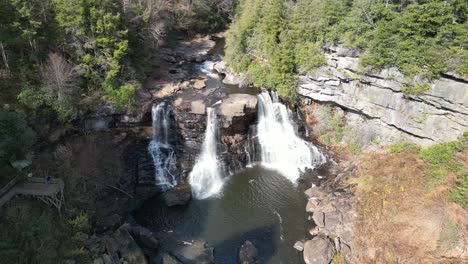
(256, 204)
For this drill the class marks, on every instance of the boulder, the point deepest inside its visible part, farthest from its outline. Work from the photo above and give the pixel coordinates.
(144, 237)
(232, 79)
(238, 111)
(220, 67)
(319, 250)
(199, 84)
(319, 218)
(248, 253)
(179, 195)
(299, 245)
(122, 247)
(198, 107)
(311, 205)
(195, 253)
(315, 193)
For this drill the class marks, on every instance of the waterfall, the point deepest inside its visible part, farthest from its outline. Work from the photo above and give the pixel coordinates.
(206, 176)
(280, 147)
(161, 150)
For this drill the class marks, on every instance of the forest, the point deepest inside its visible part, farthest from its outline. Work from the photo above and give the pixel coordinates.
(273, 41)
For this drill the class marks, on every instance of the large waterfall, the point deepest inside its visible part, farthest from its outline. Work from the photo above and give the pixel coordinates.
(206, 176)
(280, 147)
(160, 148)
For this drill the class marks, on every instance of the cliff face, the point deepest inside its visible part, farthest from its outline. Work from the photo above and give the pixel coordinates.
(377, 101)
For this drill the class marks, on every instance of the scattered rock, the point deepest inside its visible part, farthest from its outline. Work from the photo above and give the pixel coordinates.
(319, 250)
(248, 253)
(195, 253)
(179, 195)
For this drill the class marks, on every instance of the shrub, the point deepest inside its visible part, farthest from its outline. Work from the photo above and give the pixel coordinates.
(401, 146)
(459, 193)
(441, 155)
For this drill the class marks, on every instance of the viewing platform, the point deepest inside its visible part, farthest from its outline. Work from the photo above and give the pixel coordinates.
(50, 193)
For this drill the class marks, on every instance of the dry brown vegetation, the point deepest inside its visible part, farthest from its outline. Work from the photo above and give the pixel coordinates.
(401, 219)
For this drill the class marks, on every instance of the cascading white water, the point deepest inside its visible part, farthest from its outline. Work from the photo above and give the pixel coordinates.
(161, 150)
(206, 176)
(281, 148)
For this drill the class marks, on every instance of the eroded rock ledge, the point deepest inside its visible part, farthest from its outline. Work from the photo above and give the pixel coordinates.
(440, 114)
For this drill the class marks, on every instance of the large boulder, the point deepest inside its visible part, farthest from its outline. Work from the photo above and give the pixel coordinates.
(238, 111)
(179, 195)
(248, 253)
(144, 237)
(122, 247)
(195, 253)
(319, 250)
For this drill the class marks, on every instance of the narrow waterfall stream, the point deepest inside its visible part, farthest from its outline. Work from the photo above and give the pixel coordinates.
(206, 176)
(161, 150)
(280, 147)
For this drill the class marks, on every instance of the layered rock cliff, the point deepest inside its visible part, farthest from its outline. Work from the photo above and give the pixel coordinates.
(376, 100)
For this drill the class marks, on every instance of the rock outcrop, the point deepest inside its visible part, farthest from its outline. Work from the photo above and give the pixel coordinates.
(439, 114)
(122, 248)
(179, 195)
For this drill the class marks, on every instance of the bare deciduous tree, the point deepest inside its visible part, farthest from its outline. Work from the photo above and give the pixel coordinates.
(59, 79)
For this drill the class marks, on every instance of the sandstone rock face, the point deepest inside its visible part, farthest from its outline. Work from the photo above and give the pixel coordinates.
(179, 195)
(319, 250)
(238, 111)
(440, 114)
(248, 253)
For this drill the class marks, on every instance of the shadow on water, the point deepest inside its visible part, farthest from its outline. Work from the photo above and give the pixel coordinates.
(256, 204)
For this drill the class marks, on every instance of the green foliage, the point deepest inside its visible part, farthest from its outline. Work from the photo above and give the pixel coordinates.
(335, 132)
(442, 161)
(422, 38)
(441, 155)
(459, 193)
(31, 232)
(16, 136)
(415, 89)
(402, 146)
